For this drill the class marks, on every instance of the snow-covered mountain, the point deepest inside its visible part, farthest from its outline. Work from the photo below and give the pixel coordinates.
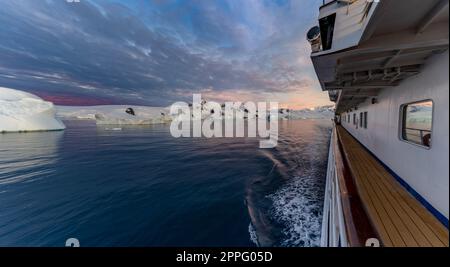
(117, 114)
(321, 112)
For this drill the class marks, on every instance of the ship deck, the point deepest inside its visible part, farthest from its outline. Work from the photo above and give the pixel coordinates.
(398, 218)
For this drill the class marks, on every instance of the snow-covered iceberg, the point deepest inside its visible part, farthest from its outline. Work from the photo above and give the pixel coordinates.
(21, 111)
(116, 114)
(321, 112)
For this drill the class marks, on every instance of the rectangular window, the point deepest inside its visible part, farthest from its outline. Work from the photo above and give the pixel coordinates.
(361, 119)
(365, 120)
(348, 118)
(326, 30)
(354, 118)
(417, 122)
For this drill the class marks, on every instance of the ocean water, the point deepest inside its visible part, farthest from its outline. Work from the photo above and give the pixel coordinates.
(138, 186)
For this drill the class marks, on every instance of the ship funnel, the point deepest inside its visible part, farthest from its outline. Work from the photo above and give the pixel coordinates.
(313, 37)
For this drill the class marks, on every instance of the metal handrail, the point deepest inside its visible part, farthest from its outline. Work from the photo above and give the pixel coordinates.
(417, 129)
(421, 135)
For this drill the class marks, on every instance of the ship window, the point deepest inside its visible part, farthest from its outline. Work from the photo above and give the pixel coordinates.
(416, 122)
(361, 119)
(348, 118)
(354, 118)
(365, 120)
(326, 31)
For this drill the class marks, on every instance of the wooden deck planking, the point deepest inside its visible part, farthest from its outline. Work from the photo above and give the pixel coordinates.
(391, 212)
(397, 216)
(358, 225)
(410, 233)
(399, 197)
(383, 222)
(435, 232)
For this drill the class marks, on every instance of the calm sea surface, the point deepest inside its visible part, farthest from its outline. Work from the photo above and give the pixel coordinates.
(139, 186)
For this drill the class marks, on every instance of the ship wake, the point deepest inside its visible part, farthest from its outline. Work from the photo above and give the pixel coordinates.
(298, 206)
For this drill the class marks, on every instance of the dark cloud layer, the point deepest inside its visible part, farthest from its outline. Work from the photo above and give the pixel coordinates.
(153, 52)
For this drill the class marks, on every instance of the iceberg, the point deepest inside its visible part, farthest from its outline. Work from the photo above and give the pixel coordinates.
(116, 114)
(22, 112)
(321, 112)
(143, 115)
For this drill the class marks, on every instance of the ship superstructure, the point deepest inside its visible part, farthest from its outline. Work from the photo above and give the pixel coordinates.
(385, 64)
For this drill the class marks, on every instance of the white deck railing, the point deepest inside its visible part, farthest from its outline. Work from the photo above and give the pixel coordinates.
(333, 224)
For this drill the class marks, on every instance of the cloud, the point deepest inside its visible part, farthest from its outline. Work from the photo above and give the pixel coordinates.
(154, 52)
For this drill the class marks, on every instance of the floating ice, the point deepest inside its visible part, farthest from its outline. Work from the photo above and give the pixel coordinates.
(116, 114)
(322, 112)
(21, 111)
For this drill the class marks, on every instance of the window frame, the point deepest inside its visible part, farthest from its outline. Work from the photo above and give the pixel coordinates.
(401, 123)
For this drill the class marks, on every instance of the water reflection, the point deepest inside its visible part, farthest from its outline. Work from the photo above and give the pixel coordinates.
(24, 156)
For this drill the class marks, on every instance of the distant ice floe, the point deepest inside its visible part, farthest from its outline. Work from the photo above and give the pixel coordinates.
(21, 111)
(322, 112)
(117, 115)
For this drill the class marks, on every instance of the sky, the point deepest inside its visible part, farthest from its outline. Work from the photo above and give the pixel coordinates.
(158, 52)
